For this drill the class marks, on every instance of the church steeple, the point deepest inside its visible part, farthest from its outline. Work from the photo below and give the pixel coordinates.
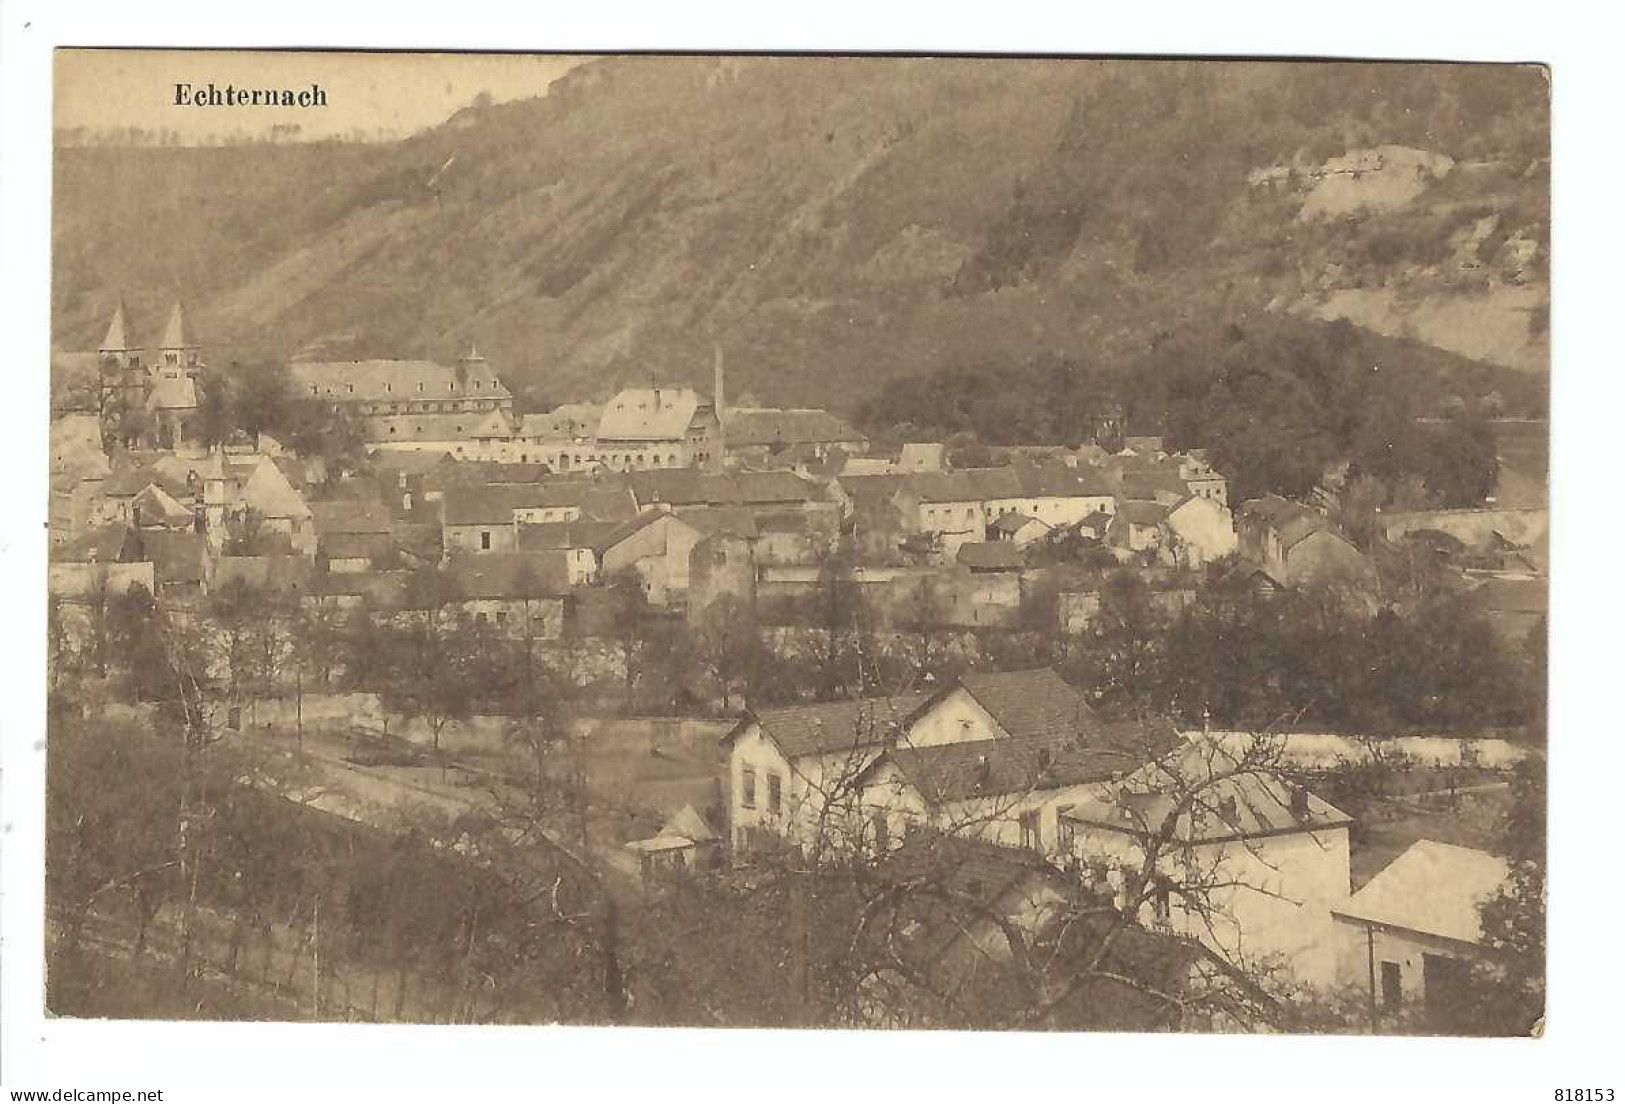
(178, 351)
(116, 350)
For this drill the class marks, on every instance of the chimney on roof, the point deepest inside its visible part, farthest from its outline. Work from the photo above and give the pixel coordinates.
(1300, 803)
(1227, 808)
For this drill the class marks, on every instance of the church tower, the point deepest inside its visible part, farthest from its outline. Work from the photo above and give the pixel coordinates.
(179, 353)
(116, 352)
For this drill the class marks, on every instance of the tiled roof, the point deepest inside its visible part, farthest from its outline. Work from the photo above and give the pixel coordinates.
(269, 492)
(676, 486)
(398, 380)
(494, 503)
(103, 544)
(730, 520)
(509, 575)
(462, 425)
(1140, 512)
(1010, 766)
(990, 556)
(356, 546)
(1034, 702)
(746, 426)
(176, 558)
(351, 516)
(871, 488)
(1433, 888)
(649, 414)
(565, 423)
(379, 589)
(836, 726)
(173, 393)
(1220, 801)
(754, 488)
(156, 507)
(559, 535)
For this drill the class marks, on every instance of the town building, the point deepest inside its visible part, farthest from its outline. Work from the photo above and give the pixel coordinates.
(1410, 935)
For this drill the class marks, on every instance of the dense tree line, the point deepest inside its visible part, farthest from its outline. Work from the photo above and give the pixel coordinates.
(1277, 402)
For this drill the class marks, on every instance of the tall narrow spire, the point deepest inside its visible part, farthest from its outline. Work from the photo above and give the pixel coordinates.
(114, 341)
(175, 335)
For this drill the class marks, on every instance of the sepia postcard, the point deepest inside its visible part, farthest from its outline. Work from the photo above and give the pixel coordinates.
(934, 542)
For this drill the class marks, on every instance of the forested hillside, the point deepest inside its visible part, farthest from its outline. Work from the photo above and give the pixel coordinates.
(835, 232)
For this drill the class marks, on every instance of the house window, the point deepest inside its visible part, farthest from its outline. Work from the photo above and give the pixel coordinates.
(1161, 902)
(485, 540)
(349, 388)
(420, 388)
(882, 829)
(747, 788)
(775, 794)
(1029, 830)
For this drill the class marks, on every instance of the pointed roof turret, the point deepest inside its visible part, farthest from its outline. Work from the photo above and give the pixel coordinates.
(473, 356)
(114, 342)
(175, 333)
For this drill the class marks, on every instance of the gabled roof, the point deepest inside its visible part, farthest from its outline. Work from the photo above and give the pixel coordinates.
(495, 503)
(569, 422)
(730, 521)
(177, 558)
(756, 488)
(631, 526)
(688, 823)
(269, 492)
(837, 726)
(497, 575)
(1291, 521)
(351, 516)
(649, 414)
(1433, 888)
(990, 556)
(154, 506)
(103, 544)
(556, 536)
(1217, 800)
(1010, 766)
(356, 546)
(396, 380)
(173, 393)
(1034, 702)
(462, 425)
(1140, 512)
(746, 426)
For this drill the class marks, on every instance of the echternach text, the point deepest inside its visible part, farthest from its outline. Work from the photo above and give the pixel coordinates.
(212, 95)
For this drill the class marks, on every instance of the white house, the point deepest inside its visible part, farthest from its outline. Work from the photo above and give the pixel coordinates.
(1245, 862)
(1410, 933)
(1200, 530)
(795, 774)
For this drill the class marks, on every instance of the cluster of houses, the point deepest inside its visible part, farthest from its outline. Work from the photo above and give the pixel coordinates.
(696, 497)
(531, 517)
(1244, 863)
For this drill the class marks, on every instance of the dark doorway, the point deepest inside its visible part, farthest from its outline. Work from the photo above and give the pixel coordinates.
(1444, 983)
(1390, 985)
